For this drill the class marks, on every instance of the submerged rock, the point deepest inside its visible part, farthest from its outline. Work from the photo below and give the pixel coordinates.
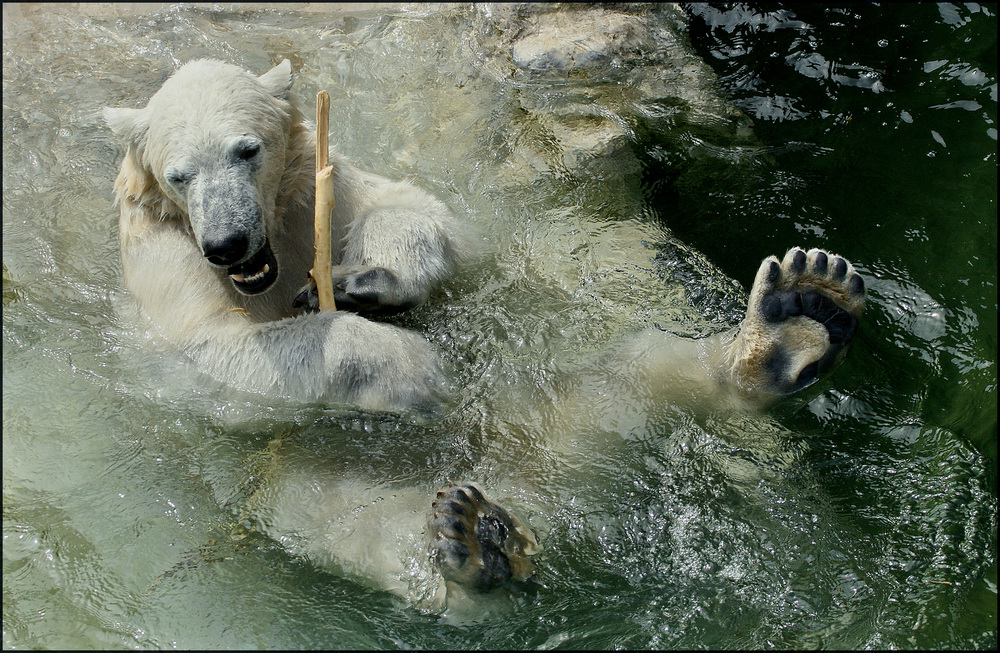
(591, 76)
(582, 39)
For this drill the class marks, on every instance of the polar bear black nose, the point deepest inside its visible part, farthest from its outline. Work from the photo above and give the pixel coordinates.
(225, 249)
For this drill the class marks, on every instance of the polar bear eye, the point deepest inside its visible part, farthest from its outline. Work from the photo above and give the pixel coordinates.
(247, 150)
(179, 178)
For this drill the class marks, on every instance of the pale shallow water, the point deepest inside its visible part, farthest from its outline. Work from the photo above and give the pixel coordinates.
(861, 514)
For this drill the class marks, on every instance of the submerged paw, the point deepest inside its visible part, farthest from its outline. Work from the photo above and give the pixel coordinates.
(475, 542)
(803, 312)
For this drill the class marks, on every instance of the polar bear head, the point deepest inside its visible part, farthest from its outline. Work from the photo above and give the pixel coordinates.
(214, 139)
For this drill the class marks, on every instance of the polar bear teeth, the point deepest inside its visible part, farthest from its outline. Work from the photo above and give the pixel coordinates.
(257, 273)
(242, 278)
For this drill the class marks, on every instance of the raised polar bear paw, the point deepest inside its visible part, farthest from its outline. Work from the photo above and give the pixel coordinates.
(802, 314)
(475, 542)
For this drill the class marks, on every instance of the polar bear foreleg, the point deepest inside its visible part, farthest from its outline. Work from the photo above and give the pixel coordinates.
(398, 247)
(336, 358)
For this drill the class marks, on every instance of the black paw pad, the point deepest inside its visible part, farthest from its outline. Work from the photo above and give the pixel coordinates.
(821, 262)
(495, 527)
(840, 325)
(456, 508)
(773, 272)
(781, 305)
(495, 571)
(857, 285)
(450, 526)
(373, 292)
(808, 374)
(841, 328)
(365, 289)
(799, 261)
(839, 267)
(452, 553)
(817, 306)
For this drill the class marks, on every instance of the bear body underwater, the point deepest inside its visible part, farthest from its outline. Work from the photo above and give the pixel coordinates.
(216, 195)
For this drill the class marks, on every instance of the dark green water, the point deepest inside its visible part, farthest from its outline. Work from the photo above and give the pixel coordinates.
(902, 175)
(861, 514)
(883, 124)
(903, 178)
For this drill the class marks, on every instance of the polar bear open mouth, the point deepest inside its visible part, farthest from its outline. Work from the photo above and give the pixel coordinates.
(257, 273)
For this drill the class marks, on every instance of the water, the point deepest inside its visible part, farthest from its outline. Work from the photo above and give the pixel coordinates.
(860, 514)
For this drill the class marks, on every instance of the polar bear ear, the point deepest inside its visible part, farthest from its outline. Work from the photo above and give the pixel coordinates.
(130, 125)
(278, 80)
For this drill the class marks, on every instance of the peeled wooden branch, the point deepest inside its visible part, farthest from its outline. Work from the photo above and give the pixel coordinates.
(321, 273)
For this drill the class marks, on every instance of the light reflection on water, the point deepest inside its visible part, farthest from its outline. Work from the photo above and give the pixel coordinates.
(846, 517)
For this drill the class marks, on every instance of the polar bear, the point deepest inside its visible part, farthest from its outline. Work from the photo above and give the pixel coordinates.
(216, 231)
(216, 194)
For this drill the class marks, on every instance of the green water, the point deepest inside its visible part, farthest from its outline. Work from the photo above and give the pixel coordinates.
(862, 514)
(905, 179)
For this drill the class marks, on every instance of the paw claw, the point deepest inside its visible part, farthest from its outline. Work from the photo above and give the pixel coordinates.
(307, 297)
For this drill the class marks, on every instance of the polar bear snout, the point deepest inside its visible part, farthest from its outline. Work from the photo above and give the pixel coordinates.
(226, 218)
(226, 248)
(229, 226)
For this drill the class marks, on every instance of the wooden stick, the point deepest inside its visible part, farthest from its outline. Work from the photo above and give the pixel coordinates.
(322, 130)
(321, 273)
